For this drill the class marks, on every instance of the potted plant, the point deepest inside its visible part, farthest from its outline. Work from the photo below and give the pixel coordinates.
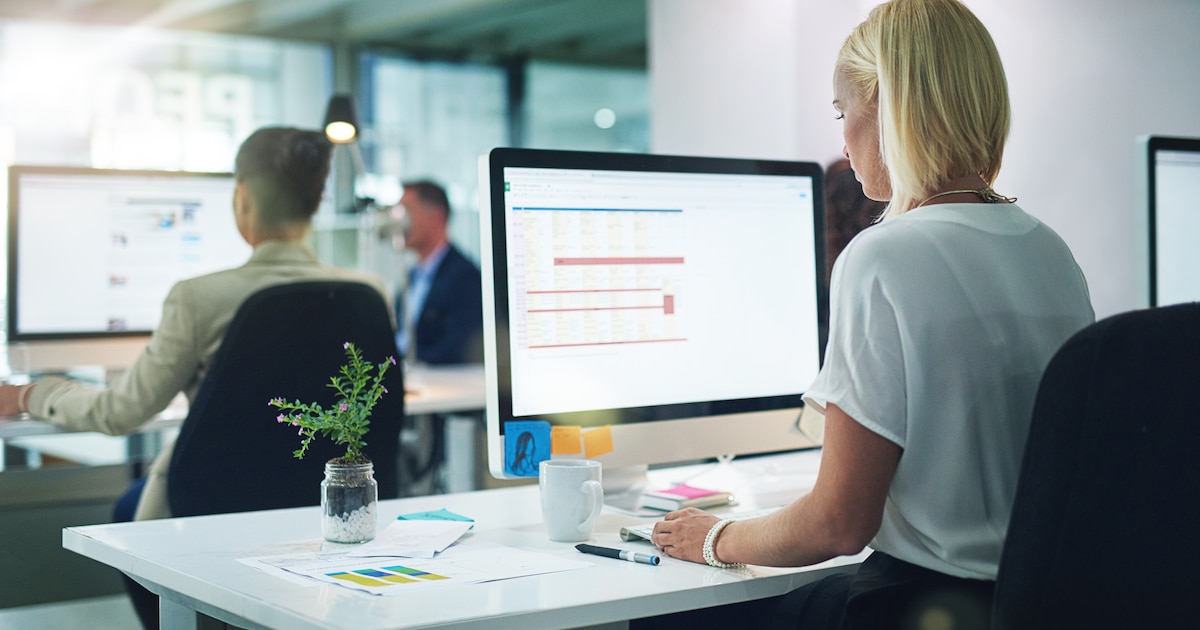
(348, 493)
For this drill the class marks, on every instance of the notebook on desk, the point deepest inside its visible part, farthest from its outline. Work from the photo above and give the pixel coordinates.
(684, 496)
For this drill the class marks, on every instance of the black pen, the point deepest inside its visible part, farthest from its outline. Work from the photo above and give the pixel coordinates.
(619, 554)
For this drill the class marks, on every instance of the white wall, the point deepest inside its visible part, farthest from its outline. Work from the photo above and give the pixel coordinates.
(746, 78)
(751, 78)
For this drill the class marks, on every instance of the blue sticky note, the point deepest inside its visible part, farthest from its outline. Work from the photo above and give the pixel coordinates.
(526, 444)
(435, 515)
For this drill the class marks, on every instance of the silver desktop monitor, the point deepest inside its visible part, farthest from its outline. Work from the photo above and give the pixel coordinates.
(1169, 220)
(646, 309)
(92, 254)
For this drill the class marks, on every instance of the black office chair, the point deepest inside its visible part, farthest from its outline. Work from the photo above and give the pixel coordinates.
(286, 340)
(1105, 530)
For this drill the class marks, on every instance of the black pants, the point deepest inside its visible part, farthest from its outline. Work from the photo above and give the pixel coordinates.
(885, 593)
(145, 603)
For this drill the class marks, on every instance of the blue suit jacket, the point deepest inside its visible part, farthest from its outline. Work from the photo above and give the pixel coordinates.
(450, 327)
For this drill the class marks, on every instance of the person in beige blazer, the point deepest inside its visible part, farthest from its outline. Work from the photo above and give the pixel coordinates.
(280, 176)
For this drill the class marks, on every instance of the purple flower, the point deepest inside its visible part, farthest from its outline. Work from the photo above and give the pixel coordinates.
(343, 407)
(392, 359)
(385, 389)
(300, 432)
(281, 419)
(346, 346)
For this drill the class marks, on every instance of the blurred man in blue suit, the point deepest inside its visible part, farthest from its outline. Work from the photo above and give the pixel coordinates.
(440, 312)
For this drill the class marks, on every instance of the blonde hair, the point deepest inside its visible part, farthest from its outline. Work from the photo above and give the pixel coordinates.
(942, 96)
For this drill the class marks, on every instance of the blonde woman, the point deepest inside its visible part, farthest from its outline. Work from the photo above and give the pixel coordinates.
(942, 318)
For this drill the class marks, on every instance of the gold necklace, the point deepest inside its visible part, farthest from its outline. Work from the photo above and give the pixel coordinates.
(986, 193)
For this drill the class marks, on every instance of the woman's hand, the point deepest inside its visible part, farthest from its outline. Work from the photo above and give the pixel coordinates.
(838, 517)
(681, 534)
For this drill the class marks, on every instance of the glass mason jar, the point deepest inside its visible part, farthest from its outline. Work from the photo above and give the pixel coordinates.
(349, 496)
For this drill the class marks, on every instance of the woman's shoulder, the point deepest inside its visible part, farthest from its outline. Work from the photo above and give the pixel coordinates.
(879, 238)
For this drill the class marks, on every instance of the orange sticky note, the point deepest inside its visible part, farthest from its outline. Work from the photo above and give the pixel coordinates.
(565, 440)
(597, 442)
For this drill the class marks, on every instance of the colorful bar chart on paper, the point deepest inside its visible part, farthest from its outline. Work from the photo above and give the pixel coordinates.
(460, 564)
(386, 576)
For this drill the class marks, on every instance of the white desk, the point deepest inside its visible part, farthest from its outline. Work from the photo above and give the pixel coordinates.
(191, 563)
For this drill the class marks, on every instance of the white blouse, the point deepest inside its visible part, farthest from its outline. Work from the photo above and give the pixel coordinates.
(942, 321)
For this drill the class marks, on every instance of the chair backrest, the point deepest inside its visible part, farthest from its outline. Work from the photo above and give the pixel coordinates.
(284, 341)
(1105, 530)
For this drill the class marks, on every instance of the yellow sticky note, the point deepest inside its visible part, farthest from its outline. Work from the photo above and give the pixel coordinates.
(565, 441)
(597, 442)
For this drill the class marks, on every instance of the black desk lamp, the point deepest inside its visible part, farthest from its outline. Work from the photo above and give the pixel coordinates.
(341, 127)
(341, 119)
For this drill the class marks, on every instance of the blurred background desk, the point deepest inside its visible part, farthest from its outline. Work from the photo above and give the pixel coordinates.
(31, 444)
(444, 389)
(443, 446)
(429, 389)
(51, 478)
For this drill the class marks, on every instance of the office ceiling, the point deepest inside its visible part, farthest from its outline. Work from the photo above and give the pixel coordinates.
(609, 32)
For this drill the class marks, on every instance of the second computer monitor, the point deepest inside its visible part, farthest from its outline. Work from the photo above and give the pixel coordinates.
(93, 252)
(1168, 178)
(671, 304)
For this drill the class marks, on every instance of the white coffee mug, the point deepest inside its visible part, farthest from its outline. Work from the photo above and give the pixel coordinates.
(571, 497)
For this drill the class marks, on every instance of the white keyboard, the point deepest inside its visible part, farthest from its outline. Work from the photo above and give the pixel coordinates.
(642, 532)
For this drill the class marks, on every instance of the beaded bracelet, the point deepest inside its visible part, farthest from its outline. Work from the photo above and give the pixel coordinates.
(710, 541)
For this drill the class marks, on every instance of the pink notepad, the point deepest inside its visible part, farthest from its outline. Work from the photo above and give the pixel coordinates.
(682, 496)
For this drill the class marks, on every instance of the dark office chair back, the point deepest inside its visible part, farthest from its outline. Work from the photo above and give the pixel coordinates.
(1105, 530)
(284, 341)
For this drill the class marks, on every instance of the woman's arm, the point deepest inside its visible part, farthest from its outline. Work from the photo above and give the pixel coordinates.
(168, 363)
(839, 517)
(13, 399)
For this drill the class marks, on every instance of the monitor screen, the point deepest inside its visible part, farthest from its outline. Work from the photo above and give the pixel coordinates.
(1170, 177)
(92, 253)
(648, 309)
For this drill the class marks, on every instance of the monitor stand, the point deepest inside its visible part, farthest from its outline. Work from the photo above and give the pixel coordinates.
(623, 486)
(721, 475)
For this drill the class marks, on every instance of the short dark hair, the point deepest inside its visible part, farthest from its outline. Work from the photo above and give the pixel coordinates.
(284, 169)
(432, 193)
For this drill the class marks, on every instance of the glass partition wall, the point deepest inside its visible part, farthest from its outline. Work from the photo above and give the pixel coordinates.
(433, 119)
(139, 98)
